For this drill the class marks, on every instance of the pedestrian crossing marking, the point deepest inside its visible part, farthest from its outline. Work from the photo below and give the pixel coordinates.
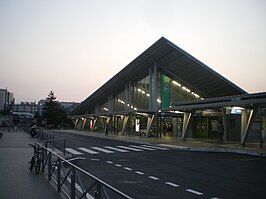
(142, 147)
(102, 150)
(87, 150)
(73, 151)
(129, 148)
(155, 147)
(113, 149)
(116, 149)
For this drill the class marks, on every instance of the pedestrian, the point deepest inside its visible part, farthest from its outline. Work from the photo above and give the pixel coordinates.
(106, 130)
(221, 132)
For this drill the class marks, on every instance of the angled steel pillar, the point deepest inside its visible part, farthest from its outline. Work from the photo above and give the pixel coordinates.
(94, 123)
(186, 122)
(124, 123)
(76, 123)
(245, 124)
(84, 123)
(149, 123)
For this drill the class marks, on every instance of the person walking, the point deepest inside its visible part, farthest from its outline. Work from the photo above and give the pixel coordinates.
(221, 132)
(106, 130)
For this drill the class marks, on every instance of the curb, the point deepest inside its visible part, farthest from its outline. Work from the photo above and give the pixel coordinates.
(216, 150)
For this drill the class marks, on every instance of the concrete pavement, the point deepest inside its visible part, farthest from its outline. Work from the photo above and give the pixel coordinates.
(16, 179)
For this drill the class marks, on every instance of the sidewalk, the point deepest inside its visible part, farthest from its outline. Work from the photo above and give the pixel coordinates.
(16, 179)
(199, 145)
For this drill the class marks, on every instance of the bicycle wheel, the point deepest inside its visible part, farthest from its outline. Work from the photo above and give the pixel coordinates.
(38, 163)
(32, 163)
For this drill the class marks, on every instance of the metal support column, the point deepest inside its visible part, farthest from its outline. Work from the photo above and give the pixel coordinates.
(94, 123)
(186, 121)
(245, 124)
(76, 123)
(124, 124)
(224, 124)
(149, 123)
(84, 123)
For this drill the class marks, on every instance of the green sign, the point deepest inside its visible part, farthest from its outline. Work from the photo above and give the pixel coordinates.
(165, 92)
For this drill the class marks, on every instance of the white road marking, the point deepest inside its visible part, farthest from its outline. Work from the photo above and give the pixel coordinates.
(88, 150)
(153, 178)
(127, 168)
(139, 172)
(77, 158)
(94, 159)
(156, 147)
(172, 184)
(116, 149)
(142, 147)
(109, 162)
(129, 148)
(194, 192)
(118, 165)
(70, 150)
(102, 150)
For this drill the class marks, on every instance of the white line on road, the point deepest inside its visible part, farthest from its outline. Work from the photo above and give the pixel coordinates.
(109, 162)
(172, 184)
(102, 150)
(138, 172)
(155, 147)
(116, 149)
(194, 192)
(127, 168)
(77, 158)
(94, 159)
(70, 150)
(88, 150)
(129, 148)
(153, 178)
(118, 165)
(142, 147)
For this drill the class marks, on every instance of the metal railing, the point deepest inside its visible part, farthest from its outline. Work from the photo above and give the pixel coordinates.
(73, 181)
(44, 135)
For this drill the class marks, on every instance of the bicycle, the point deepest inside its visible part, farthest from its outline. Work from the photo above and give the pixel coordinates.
(36, 161)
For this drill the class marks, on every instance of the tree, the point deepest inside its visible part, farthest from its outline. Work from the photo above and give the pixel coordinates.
(53, 113)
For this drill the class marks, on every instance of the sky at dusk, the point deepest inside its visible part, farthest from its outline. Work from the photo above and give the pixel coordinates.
(74, 47)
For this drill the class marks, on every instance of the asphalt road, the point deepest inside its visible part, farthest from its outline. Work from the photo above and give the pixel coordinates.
(160, 172)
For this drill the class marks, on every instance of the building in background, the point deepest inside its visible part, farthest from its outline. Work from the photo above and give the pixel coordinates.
(7, 100)
(29, 107)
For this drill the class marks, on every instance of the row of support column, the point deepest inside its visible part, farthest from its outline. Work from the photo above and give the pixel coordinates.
(247, 117)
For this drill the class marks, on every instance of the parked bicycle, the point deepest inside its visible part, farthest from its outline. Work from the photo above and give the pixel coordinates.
(37, 159)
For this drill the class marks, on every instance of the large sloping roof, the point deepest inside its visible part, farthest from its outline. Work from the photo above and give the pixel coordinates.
(174, 62)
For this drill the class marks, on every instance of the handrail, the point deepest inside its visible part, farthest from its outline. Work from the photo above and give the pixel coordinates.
(100, 184)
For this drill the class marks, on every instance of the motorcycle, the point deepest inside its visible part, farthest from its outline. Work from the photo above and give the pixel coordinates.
(33, 131)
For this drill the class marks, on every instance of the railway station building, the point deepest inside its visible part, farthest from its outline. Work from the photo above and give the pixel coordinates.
(166, 92)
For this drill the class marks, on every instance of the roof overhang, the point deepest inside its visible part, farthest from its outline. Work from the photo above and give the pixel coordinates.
(244, 101)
